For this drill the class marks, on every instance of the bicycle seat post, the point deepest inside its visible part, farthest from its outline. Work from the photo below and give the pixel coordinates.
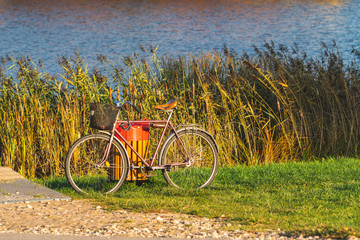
(170, 114)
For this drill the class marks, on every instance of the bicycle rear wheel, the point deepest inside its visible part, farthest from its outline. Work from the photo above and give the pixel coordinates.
(203, 154)
(86, 173)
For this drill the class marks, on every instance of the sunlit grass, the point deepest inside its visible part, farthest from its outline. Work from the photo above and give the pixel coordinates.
(316, 198)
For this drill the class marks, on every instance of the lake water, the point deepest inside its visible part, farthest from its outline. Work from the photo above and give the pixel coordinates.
(48, 29)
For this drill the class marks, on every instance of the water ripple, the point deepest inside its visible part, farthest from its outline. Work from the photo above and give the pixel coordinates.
(48, 29)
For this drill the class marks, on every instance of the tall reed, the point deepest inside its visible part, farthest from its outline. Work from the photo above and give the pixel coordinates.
(275, 106)
(41, 115)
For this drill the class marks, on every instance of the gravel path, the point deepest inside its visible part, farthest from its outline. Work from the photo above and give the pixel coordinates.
(83, 218)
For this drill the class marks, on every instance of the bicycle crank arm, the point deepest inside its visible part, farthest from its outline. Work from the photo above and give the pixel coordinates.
(163, 167)
(168, 166)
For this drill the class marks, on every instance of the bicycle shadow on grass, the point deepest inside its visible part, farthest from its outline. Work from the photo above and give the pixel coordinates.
(152, 195)
(157, 187)
(153, 186)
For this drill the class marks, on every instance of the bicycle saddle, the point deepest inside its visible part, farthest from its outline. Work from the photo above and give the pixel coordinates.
(167, 106)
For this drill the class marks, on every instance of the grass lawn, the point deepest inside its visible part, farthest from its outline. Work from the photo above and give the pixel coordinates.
(319, 198)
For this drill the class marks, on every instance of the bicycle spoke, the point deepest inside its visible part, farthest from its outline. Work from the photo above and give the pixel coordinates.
(85, 171)
(203, 160)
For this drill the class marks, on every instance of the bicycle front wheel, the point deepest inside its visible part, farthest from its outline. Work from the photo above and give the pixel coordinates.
(202, 153)
(85, 170)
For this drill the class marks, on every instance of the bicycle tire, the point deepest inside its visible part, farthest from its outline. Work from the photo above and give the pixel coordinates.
(202, 150)
(81, 170)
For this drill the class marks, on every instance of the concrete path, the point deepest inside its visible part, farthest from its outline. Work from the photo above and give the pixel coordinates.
(7, 174)
(15, 188)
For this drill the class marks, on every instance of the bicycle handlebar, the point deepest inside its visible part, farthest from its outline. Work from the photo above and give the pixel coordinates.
(120, 105)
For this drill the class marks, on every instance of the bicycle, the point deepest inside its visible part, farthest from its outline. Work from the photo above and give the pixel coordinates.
(188, 157)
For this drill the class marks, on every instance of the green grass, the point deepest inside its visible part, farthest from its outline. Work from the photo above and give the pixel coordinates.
(311, 198)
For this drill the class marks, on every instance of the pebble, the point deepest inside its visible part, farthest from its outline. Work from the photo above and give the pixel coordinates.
(83, 218)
